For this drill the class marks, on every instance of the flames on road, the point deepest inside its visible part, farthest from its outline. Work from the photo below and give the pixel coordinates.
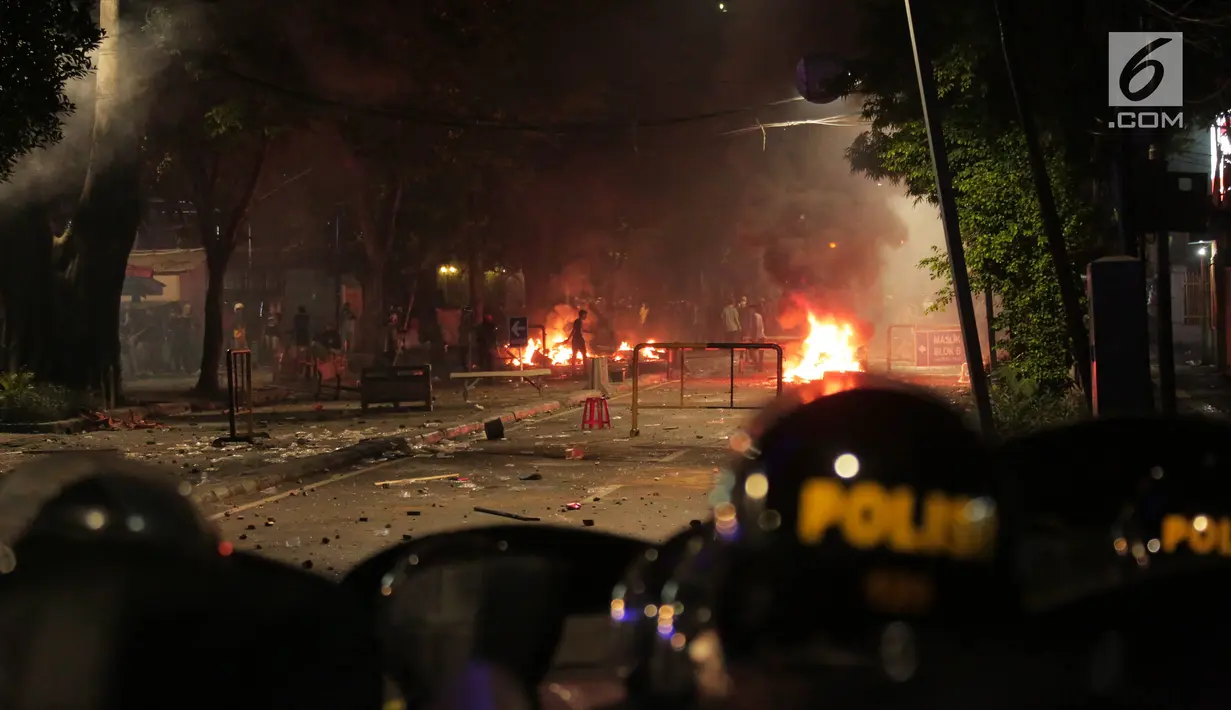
(561, 352)
(830, 346)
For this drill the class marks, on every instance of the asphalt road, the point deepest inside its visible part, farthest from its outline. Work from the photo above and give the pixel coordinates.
(649, 486)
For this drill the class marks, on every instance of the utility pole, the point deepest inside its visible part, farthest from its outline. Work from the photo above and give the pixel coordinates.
(953, 237)
(989, 307)
(1070, 299)
(1162, 280)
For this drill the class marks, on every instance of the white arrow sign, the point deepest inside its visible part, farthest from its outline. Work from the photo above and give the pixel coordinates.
(517, 328)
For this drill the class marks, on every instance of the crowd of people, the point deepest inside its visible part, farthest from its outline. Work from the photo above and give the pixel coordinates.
(166, 339)
(744, 322)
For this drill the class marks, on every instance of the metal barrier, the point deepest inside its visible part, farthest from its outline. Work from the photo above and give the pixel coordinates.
(682, 349)
(239, 398)
(889, 344)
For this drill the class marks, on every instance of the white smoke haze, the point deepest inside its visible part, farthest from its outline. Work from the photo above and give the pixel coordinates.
(839, 244)
(142, 51)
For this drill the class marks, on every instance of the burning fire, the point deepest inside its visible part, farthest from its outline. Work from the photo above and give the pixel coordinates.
(561, 353)
(829, 347)
(625, 351)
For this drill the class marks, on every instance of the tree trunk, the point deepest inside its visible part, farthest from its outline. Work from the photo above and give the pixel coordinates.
(213, 339)
(377, 224)
(219, 246)
(26, 286)
(373, 319)
(75, 314)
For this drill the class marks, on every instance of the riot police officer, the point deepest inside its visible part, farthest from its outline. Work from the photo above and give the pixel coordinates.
(852, 560)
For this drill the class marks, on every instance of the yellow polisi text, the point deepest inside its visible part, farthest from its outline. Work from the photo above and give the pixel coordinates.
(1202, 535)
(867, 515)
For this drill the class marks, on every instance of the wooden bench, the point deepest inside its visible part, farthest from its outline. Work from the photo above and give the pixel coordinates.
(470, 379)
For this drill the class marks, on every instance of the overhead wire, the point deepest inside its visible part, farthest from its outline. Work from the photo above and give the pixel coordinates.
(423, 116)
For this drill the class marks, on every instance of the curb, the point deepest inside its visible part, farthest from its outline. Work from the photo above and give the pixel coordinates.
(76, 425)
(355, 453)
(79, 424)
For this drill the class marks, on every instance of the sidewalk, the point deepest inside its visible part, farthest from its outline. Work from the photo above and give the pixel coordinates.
(1201, 389)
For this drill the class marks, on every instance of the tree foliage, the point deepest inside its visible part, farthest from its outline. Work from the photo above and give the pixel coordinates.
(43, 45)
(997, 204)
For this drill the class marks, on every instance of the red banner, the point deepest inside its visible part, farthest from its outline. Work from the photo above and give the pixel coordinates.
(138, 272)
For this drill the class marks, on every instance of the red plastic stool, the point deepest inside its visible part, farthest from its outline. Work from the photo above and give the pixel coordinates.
(595, 414)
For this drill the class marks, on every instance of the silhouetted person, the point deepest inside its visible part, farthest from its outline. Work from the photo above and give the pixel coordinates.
(485, 342)
(301, 331)
(757, 331)
(730, 322)
(348, 327)
(465, 337)
(331, 338)
(577, 338)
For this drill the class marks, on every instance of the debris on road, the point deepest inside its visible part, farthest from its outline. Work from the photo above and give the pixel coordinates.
(572, 506)
(102, 420)
(503, 514)
(408, 481)
(531, 477)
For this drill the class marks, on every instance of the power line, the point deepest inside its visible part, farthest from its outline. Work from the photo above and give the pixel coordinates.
(423, 116)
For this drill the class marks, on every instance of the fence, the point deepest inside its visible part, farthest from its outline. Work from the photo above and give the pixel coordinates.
(900, 345)
(239, 399)
(680, 351)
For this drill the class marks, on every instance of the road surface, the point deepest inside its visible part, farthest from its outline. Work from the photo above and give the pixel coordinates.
(649, 486)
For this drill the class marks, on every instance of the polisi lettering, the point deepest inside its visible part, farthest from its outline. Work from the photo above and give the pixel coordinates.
(867, 516)
(1202, 535)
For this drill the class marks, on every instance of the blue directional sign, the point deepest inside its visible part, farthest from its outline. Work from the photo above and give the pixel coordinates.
(519, 331)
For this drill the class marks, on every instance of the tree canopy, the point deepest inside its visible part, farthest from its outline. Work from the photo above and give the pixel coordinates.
(1063, 73)
(43, 45)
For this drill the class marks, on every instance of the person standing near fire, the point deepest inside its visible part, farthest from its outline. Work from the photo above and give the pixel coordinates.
(758, 334)
(485, 344)
(239, 329)
(301, 334)
(730, 323)
(747, 321)
(348, 327)
(577, 338)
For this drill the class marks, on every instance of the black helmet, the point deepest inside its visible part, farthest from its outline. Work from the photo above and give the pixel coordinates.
(1114, 501)
(67, 498)
(848, 530)
(1125, 552)
(649, 667)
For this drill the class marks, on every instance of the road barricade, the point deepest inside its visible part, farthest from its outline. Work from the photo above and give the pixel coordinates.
(239, 400)
(679, 358)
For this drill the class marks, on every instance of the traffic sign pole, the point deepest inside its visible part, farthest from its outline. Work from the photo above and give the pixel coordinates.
(519, 337)
(953, 238)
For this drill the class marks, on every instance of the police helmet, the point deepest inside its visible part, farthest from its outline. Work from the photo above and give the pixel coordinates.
(1125, 550)
(651, 674)
(99, 497)
(852, 533)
